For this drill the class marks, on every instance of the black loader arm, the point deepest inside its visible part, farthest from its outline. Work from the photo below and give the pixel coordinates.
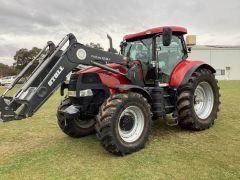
(49, 75)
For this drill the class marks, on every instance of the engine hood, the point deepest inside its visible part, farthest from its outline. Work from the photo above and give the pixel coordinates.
(93, 69)
(108, 78)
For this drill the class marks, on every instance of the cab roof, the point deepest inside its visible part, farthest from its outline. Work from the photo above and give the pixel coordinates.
(152, 31)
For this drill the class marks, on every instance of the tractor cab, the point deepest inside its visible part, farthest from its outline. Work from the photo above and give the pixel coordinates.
(158, 59)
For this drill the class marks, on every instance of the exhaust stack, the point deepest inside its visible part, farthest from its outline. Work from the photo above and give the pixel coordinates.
(110, 44)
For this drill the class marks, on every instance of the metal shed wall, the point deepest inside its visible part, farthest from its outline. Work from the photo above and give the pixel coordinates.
(225, 60)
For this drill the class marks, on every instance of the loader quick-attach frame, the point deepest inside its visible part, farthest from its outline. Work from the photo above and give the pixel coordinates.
(51, 72)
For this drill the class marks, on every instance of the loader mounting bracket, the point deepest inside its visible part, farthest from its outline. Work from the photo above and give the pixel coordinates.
(7, 113)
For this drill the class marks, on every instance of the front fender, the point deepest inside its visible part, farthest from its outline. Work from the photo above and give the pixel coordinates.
(134, 88)
(183, 71)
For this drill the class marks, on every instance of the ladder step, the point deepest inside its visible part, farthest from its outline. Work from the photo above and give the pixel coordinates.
(166, 95)
(168, 107)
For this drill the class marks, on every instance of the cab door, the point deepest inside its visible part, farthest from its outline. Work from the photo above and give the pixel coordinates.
(169, 56)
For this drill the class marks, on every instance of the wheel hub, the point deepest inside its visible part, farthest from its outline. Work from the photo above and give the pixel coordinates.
(127, 122)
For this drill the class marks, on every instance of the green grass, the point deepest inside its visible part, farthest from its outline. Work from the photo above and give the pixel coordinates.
(35, 148)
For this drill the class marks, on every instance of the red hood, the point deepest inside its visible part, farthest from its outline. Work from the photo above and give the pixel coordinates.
(94, 69)
(109, 79)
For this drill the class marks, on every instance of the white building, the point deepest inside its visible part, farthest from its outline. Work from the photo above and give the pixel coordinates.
(225, 59)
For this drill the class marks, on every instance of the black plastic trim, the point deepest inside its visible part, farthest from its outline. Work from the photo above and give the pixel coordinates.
(195, 68)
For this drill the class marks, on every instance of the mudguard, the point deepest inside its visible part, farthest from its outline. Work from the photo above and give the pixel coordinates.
(134, 88)
(183, 71)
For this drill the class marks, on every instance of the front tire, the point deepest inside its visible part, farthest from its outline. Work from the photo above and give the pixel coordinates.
(123, 123)
(77, 127)
(198, 101)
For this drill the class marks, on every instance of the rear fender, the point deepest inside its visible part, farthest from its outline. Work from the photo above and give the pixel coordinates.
(183, 71)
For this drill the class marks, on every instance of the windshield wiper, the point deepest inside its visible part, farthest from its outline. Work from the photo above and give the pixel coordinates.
(128, 53)
(143, 43)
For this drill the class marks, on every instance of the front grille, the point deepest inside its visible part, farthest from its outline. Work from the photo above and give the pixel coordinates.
(73, 82)
(74, 76)
(91, 78)
(87, 78)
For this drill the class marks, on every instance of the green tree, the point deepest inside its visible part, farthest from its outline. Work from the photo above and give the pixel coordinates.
(24, 56)
(95, 45)
(6, 70)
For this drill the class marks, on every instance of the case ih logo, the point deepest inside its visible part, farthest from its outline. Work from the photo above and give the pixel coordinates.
(55, 76)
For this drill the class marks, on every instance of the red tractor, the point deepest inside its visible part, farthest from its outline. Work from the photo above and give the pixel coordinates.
(118, 96)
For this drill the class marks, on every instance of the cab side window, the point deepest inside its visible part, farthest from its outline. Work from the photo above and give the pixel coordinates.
(168, 56)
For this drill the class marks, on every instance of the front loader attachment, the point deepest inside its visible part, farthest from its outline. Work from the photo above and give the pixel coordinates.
(40, 84)
(51, 72)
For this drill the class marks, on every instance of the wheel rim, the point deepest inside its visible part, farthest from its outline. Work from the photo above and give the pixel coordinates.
(131, 124)
(203, 100)
(85, 123)
(82, 123)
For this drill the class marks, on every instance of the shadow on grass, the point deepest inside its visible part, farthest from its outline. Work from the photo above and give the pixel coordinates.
(92, 146)
(161, 128)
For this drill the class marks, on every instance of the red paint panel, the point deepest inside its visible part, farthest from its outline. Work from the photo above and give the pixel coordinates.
(109, 79)
(156, 30)
(180, 70)
(94, 69)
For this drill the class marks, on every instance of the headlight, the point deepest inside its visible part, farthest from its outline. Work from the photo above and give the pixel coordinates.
(83, 93)
(86, 92)
(72, 93)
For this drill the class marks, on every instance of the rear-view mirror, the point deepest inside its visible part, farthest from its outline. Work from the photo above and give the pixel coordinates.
(167, 36)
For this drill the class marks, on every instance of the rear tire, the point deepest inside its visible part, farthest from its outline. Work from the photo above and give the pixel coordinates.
(123, 123)
(77, 127)
(198, 101)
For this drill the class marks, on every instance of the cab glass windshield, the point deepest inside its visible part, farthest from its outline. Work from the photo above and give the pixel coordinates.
(139, 50)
